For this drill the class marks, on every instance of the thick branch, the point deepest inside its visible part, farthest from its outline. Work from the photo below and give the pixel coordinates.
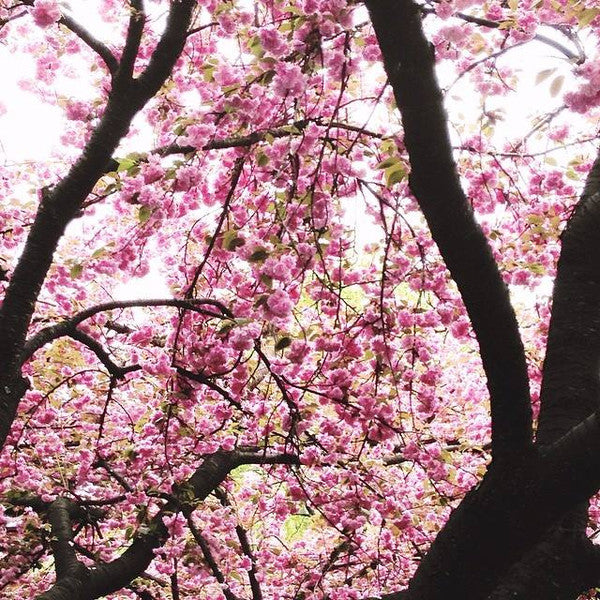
(435, 183)
(61, 203)
(137, 20)
(214, 469)
(168, 49)
(70, 573)
(76, 582)
(571, 384)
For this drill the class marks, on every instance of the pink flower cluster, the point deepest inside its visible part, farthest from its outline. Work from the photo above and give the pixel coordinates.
(45, 12)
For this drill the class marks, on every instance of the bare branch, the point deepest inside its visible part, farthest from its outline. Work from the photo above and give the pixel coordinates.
(167, 50)
(137, 20)
(103, 357)
(101, 49)
(203, 379)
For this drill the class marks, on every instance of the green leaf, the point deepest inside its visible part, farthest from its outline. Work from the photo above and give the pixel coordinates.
(294, 526)
(283, 343)
(259, 255)
(144, 213)
(266, 280)
(125, 164)
(388, 146)
(76, 270)
(130, 163)
(395, 174)
(291, 129)
(231, 240)
(262, 160)
(537, 268)
(388, 162)
(255, 46)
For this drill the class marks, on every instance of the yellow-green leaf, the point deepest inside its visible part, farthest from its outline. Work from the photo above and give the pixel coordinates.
(556, 85)
(76, 270)
(543, 75)
(587, 15)
(395, 174)
(144, 213)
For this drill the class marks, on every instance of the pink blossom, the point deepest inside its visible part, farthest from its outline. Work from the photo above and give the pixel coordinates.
(45, 12)
(272, 41)
(279, 304)
(444, 10)
(288, 80)
(78, 111)
(199, 134)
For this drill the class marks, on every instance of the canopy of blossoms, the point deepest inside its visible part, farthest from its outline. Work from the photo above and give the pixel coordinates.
(298, 410)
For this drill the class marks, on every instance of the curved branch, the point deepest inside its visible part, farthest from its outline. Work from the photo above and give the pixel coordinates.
(577, 57)
(77, 582)
(110, 577)
(70, 572)
(68, 326)
(101, 49)
(209, 383)
(571, 375)
(95, 346)
(435, 184)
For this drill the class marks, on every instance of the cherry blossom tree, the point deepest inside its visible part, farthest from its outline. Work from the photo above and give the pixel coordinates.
(357, 385)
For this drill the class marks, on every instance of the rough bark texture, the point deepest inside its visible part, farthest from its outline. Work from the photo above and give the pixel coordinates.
(74, 581)
(521, 532)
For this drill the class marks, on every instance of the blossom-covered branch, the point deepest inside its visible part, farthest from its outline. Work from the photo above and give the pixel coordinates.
(61, 203)
(69, 326)
(75, 581)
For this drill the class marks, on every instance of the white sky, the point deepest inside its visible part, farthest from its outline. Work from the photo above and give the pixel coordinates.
(30, 130)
